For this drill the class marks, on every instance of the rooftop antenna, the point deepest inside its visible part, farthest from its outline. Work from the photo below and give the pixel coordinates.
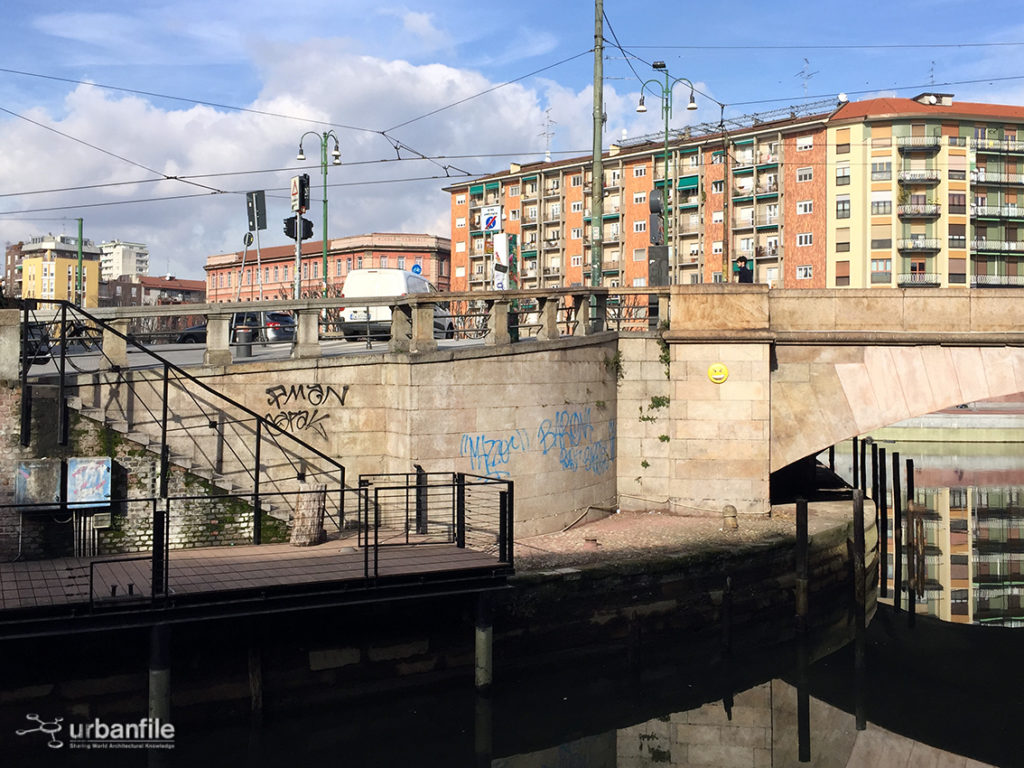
(804, 75)
(931, 74)
(547, 133)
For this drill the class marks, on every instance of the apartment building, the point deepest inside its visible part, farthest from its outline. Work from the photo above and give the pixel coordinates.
(240, 276)
(118, 258)
(46, 267)
(883, 192)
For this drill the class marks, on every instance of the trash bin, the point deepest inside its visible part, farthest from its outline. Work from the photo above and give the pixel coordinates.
(243, 341)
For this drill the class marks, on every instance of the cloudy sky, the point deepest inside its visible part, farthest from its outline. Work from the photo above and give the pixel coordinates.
(101, 102)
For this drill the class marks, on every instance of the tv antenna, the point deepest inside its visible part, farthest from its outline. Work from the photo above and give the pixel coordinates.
(547, 133)
(804, 75)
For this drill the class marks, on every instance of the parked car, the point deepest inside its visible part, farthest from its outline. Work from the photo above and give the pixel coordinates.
(266, 326)
(358, 322)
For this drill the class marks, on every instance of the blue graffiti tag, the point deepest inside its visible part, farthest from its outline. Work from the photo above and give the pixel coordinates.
(487, 454)
(572, 435)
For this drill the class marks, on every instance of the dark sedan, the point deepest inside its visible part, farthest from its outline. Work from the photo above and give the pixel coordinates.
(266, 326)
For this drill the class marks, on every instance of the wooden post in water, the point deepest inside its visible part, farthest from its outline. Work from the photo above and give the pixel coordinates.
(897, 534)
(883, 530)
(803, 698)
(856, 466)
(160, 672)
(860, 621)
(913, 589)
(801, 566)
(484, 643)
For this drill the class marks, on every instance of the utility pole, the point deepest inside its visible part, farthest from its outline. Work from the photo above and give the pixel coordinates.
(597, 183)
(79, 291)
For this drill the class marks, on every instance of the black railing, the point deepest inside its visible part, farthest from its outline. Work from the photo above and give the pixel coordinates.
(216, 436)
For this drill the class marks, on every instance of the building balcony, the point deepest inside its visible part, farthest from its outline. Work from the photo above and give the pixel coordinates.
(922, 176)
(997, 145)
(997, 211)
(743, 223)
(762, 252)
(919, 210)
(982, 176)
(764, 220)
(918, 143)
(997, 281)
(923, 279)
(767, 189)
(552, 191)
(918, 244)
(766, 158)
(1014, 246)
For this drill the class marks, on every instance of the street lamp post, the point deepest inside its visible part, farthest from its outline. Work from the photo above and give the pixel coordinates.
(664, 92)
(336, 160)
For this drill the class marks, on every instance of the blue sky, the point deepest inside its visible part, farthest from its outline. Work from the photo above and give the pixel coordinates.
(470, 86)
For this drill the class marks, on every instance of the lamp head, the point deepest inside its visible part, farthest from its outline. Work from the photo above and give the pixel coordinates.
(641, 107)
(658, 65)
(301, 155)
(693, 103)
(336, 154)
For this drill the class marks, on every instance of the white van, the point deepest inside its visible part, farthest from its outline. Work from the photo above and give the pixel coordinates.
(358, 321)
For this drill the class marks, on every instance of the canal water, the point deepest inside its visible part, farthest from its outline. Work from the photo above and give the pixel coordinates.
(947, 691)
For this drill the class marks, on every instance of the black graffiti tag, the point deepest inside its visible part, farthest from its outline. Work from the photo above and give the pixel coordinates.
(314, 394)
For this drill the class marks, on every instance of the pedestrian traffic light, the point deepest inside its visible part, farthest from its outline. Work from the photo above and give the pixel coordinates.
(307, 228)
(303, 192)
(289, 227)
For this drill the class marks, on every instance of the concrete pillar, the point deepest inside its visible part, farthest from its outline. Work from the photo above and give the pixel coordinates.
(115, 348)
(218, 350)
(484, 635)
(585, 324)
(307, 334)
(423, 328)
(160, 672)
(10, 344)
(498, 322)
(664, 308)
(401, 328)
(548, 306)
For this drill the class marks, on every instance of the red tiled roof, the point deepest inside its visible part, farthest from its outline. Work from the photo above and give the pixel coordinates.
(882, 107)
(174, 284)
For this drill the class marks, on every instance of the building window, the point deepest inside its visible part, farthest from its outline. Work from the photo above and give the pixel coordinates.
(805, 206)
(717, 187)
(957, 202)
(843, 240)
(639, 282)
(460, 222)
(843, 207)
(804, 174)
(639, 254)
(576, 260)
(460, 199)
(639, 197)
(804, 272)
(460, 246)
(577, 180)
(577, 206)
(305, 273)
(717, 158)
(513, 214)
(842, 175)
(513, 191)
(640, 226)
(694, 161)
(555, 210)
(881, 270)
(805, 238)
(716, 277)
(639, 170)
(359, 264)
(716, 247)
(803, 143)
(717, 217)
(881, 236)
(577, 233)
(843, 149)
(881, 207)
(401, 262)
(881, 171)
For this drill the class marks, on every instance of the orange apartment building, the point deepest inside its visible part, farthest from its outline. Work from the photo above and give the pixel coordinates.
(915, 193)
(228, 279)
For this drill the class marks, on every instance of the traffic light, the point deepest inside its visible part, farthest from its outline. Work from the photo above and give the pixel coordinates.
(289, 228)
(303, 192)
(656, 229)
(256, 207)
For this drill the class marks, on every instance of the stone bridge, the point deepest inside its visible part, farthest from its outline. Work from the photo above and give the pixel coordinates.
(743, 382)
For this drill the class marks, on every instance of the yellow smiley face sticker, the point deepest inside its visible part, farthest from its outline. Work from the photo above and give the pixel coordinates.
(718, 373)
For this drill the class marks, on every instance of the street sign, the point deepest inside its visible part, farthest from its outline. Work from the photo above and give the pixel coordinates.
(295, 194)
(416, 269)
(490, 217)
(256, 208)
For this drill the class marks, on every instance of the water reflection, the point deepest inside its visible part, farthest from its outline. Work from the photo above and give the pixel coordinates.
(969, 501)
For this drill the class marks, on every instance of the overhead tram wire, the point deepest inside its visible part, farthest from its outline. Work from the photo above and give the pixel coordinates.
(840, 46)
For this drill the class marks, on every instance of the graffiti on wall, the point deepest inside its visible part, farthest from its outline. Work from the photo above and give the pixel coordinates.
(303, 407)
(569, 437)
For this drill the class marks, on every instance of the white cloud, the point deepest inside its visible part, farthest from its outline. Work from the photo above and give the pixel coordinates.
(324, 80)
